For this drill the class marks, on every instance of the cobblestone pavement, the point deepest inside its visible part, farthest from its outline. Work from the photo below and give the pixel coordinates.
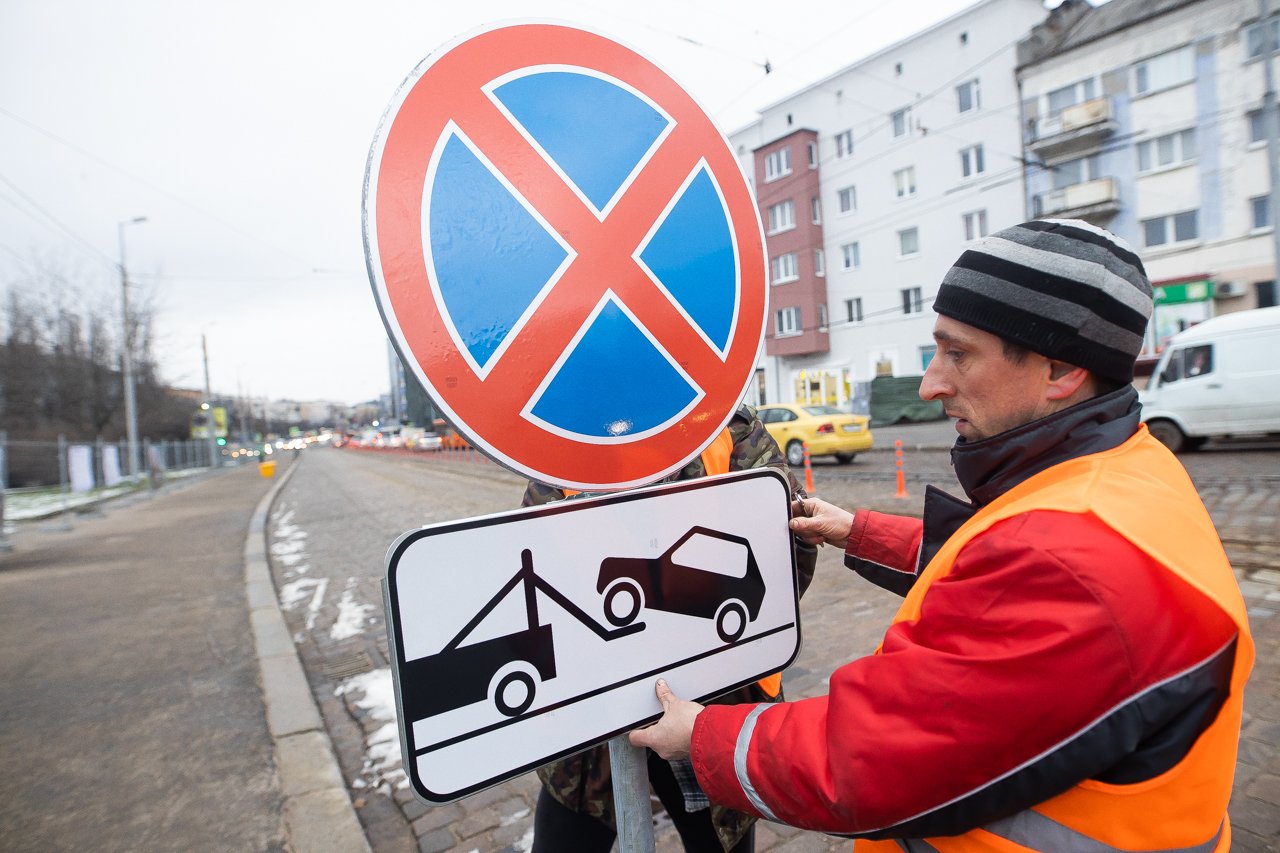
(331, 527)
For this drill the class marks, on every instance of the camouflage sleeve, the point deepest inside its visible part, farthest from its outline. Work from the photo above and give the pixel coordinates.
(538, 494)
(754, 447)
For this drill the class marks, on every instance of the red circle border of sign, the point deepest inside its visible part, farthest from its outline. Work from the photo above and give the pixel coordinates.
(394, 188)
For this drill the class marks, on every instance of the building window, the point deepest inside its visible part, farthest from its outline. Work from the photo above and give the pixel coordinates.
(1254, 37)
(902, 122)
(819, 263)
(844, 144)
(777, 164)
(813, 155)
(1178, 228)
(785, 268)
(908, 242)
(852, 257)
(1165, 71)
(822, 317)
(1266, 292)
(1167, 150)
(967, 96)
(975, 224)
(1261, 211)
(971, 161)
(782, 216)
(1257, 126)
(1076, 171)
(815, 208)
(1069, 96)
(853, 310)
(848, 199)
(905, 181)
(927, 354)
(911, 301)
(788, 322)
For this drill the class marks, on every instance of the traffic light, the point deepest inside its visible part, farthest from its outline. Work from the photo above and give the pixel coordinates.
(221, 441)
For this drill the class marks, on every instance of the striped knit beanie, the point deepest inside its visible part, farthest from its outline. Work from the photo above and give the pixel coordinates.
(1062, 288)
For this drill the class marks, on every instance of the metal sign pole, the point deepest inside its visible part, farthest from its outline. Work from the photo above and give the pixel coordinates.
(630, 768)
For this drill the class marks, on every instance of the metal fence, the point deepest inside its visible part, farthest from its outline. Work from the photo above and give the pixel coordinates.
(80, 466)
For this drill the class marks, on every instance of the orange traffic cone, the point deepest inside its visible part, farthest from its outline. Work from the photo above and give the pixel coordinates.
(808, 470)
(902, 482)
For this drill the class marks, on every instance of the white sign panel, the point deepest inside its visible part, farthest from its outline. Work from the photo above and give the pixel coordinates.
(111, 466)
(80, 467)
(522, 637)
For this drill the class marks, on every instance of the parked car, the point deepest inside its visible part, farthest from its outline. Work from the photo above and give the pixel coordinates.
(1218, 378)
(829, 431)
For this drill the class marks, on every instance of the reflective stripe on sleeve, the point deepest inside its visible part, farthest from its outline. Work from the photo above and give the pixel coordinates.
(1037, 832)
(740, 763)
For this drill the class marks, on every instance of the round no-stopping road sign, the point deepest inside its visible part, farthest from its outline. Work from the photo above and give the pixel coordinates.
(566, 253)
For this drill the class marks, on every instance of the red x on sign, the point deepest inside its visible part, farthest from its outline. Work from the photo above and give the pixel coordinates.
(566, 253)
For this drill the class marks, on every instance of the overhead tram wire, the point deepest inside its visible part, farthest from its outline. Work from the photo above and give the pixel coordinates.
(80, 241)
(153, 187)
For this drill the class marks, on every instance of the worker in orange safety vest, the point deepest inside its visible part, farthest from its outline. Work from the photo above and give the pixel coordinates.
(1067, 668)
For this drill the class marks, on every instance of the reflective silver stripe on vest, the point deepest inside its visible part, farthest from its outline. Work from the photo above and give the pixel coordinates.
(740, 763)
(1037, 832)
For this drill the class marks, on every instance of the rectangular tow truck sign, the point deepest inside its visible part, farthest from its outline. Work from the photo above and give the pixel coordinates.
(522, 637)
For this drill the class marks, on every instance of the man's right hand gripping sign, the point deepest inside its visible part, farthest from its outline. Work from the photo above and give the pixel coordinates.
(1066, 669)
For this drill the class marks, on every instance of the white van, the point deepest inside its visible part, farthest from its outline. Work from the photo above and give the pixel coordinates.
(1220, 377)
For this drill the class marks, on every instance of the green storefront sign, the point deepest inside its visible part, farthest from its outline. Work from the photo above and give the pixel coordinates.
(1177, 294)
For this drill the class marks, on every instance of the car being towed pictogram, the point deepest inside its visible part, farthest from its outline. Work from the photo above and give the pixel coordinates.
(730, 593)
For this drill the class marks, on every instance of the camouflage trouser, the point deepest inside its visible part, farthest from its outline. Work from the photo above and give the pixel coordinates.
(583, 783)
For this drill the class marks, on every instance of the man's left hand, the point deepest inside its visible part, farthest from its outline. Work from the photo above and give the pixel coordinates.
(670, 736)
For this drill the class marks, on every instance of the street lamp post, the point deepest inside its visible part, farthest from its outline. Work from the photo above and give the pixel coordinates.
(130, 395)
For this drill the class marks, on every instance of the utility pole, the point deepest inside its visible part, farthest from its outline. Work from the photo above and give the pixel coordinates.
(130, 393)
(1272, 123)
(214, 456)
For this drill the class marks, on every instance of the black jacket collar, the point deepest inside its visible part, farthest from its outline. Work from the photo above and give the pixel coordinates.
(987, 469)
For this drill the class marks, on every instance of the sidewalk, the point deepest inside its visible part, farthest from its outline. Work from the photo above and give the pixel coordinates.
(133, 717)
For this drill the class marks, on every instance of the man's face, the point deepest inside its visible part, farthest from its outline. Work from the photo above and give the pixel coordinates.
(987, 392)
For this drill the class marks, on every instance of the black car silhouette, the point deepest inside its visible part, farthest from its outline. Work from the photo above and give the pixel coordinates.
(663, 584)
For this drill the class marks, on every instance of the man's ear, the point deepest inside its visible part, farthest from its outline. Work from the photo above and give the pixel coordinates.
(1064, 380)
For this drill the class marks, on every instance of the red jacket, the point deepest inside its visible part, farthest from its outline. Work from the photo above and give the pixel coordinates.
(1026, 664)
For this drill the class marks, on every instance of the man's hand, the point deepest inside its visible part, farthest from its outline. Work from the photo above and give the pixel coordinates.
(670, 736)
(817, 521)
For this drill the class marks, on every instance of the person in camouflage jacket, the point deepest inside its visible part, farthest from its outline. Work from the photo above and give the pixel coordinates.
(582, 783)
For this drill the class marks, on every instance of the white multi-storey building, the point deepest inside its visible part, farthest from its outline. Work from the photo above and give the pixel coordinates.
(1144, 117)
(870, 183)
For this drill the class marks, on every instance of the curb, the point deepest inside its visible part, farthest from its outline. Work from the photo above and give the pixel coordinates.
(316, 809)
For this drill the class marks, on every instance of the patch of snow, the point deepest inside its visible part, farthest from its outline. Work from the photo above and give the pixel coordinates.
(376, 696)
(351, 615)
(512, 818)
(524, 845)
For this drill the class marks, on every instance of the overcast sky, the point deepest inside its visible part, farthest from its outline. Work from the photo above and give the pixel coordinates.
(241, 131)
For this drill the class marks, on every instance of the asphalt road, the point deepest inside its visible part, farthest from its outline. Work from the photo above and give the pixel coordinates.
(130, 713)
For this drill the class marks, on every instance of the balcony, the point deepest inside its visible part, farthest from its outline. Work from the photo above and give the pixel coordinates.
(1076, 128)
(1095, 201)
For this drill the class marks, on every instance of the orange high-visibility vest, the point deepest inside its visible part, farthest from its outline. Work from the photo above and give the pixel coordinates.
(1140, 490)
(715, 459)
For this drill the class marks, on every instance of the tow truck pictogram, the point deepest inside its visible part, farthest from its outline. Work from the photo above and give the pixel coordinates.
(462, 675)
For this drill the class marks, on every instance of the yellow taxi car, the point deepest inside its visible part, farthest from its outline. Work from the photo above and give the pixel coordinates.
(829, 431)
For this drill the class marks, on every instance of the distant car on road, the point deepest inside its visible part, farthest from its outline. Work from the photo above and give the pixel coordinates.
(829, 431)
(690, 578)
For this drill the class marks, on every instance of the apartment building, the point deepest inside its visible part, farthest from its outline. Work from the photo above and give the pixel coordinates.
(870, 184)
(1143, 116)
